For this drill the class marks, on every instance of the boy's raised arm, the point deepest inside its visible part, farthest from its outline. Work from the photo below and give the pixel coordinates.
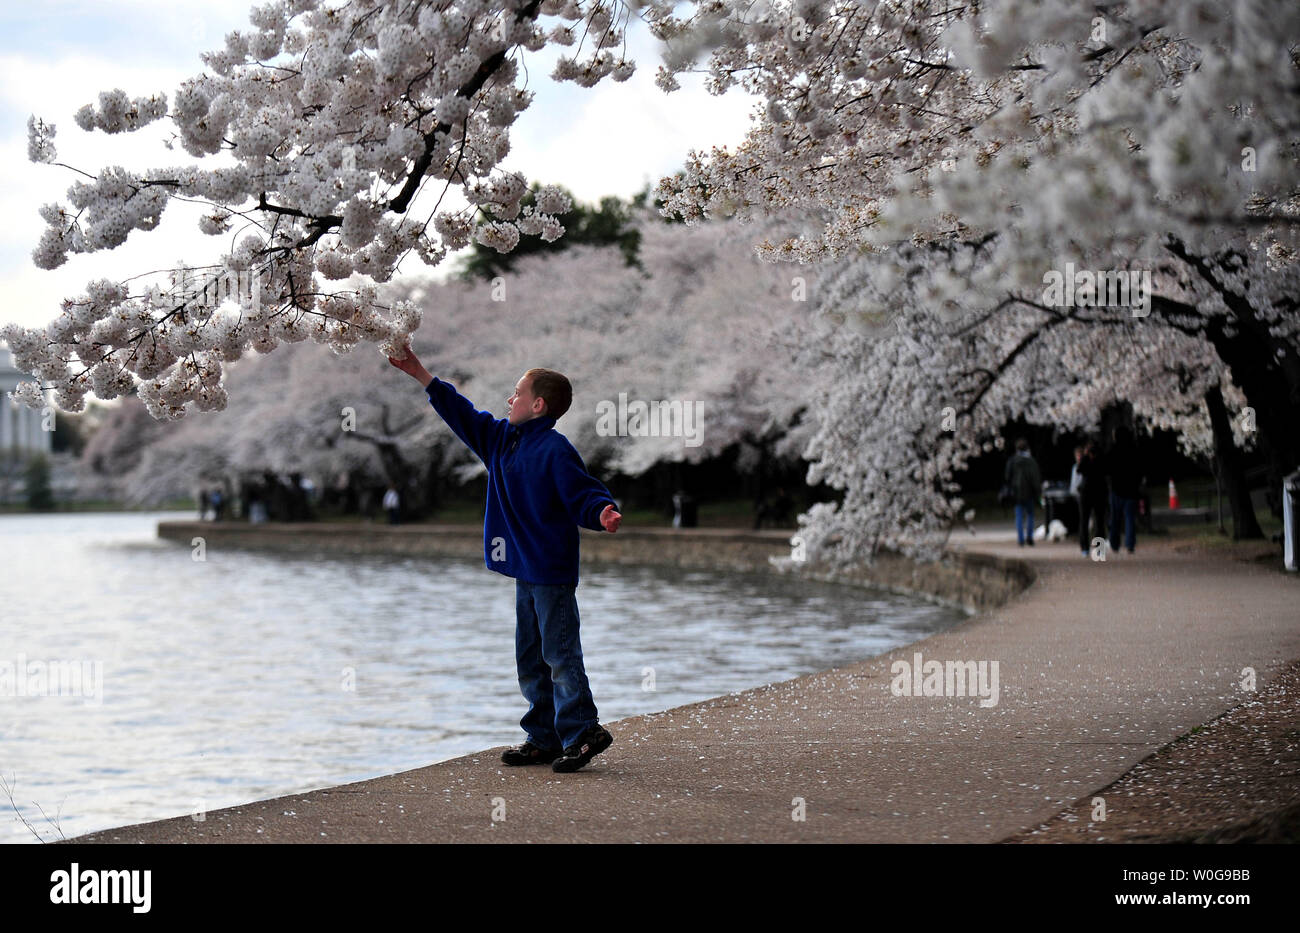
(473, 427)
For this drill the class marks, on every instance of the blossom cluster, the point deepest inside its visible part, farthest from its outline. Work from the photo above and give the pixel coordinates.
(335, 117)
(883, 121)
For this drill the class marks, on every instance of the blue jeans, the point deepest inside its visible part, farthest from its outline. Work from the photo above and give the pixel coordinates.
(1024, 521)
(548, 654)
(1129, 507)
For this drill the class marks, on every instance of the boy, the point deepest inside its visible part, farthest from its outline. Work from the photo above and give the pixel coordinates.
(539, 491)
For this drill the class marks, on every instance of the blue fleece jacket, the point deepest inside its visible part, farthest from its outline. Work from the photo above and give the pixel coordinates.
(539, 490)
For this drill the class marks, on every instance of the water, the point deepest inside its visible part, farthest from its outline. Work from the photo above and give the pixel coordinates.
(252, 675)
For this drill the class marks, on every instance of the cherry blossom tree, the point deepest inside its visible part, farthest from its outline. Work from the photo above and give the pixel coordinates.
(120, 441)
(1057, 122)
(702, 322)
(302, 409)
(948, 156)
(326, 123)
(1014, 140)
(908, 395)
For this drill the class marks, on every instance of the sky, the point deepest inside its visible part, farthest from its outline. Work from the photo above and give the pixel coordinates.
(57, 55)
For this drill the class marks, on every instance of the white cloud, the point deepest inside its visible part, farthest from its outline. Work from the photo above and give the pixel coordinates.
(613, 138)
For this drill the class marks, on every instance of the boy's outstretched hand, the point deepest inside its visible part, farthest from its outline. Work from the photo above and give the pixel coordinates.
(411, 365)
(610, 520)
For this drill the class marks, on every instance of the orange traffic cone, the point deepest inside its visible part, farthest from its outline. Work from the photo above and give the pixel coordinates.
(1173, 495)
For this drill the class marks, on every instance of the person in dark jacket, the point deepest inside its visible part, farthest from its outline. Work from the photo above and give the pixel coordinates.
(1026, 483)
(1125, 475)
(1092, 497)
(539, 493)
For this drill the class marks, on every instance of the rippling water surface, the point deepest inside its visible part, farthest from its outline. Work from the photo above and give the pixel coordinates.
(252, 675)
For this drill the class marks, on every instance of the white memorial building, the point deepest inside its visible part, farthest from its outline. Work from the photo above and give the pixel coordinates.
(20, 426)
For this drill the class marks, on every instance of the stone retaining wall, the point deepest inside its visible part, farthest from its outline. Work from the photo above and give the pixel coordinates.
(975, 582)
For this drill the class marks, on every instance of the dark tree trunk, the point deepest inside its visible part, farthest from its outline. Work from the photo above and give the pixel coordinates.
(433, 487)
(1272, 396)
(1264, 366)
(1231, 469)
(413, 497)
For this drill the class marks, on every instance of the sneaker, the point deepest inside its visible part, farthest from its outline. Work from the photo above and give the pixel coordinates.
(529, 754)
(594, 741)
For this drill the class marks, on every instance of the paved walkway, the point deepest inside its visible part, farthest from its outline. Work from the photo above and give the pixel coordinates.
(1099, 665)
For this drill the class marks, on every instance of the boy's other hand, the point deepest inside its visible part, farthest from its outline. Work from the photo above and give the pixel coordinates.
(610, 520)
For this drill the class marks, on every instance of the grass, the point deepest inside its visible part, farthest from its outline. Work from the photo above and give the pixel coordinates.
(1209, 536)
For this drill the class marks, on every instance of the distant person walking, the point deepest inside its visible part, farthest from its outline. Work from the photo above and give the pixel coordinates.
(392, 504)
(1026, 483)
(256, 507)
(1125, 475)
(218, 504)
(203, 504)
(1092, 497)
(1076, 482)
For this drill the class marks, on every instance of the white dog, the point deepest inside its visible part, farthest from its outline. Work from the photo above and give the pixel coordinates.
(1053, 532)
